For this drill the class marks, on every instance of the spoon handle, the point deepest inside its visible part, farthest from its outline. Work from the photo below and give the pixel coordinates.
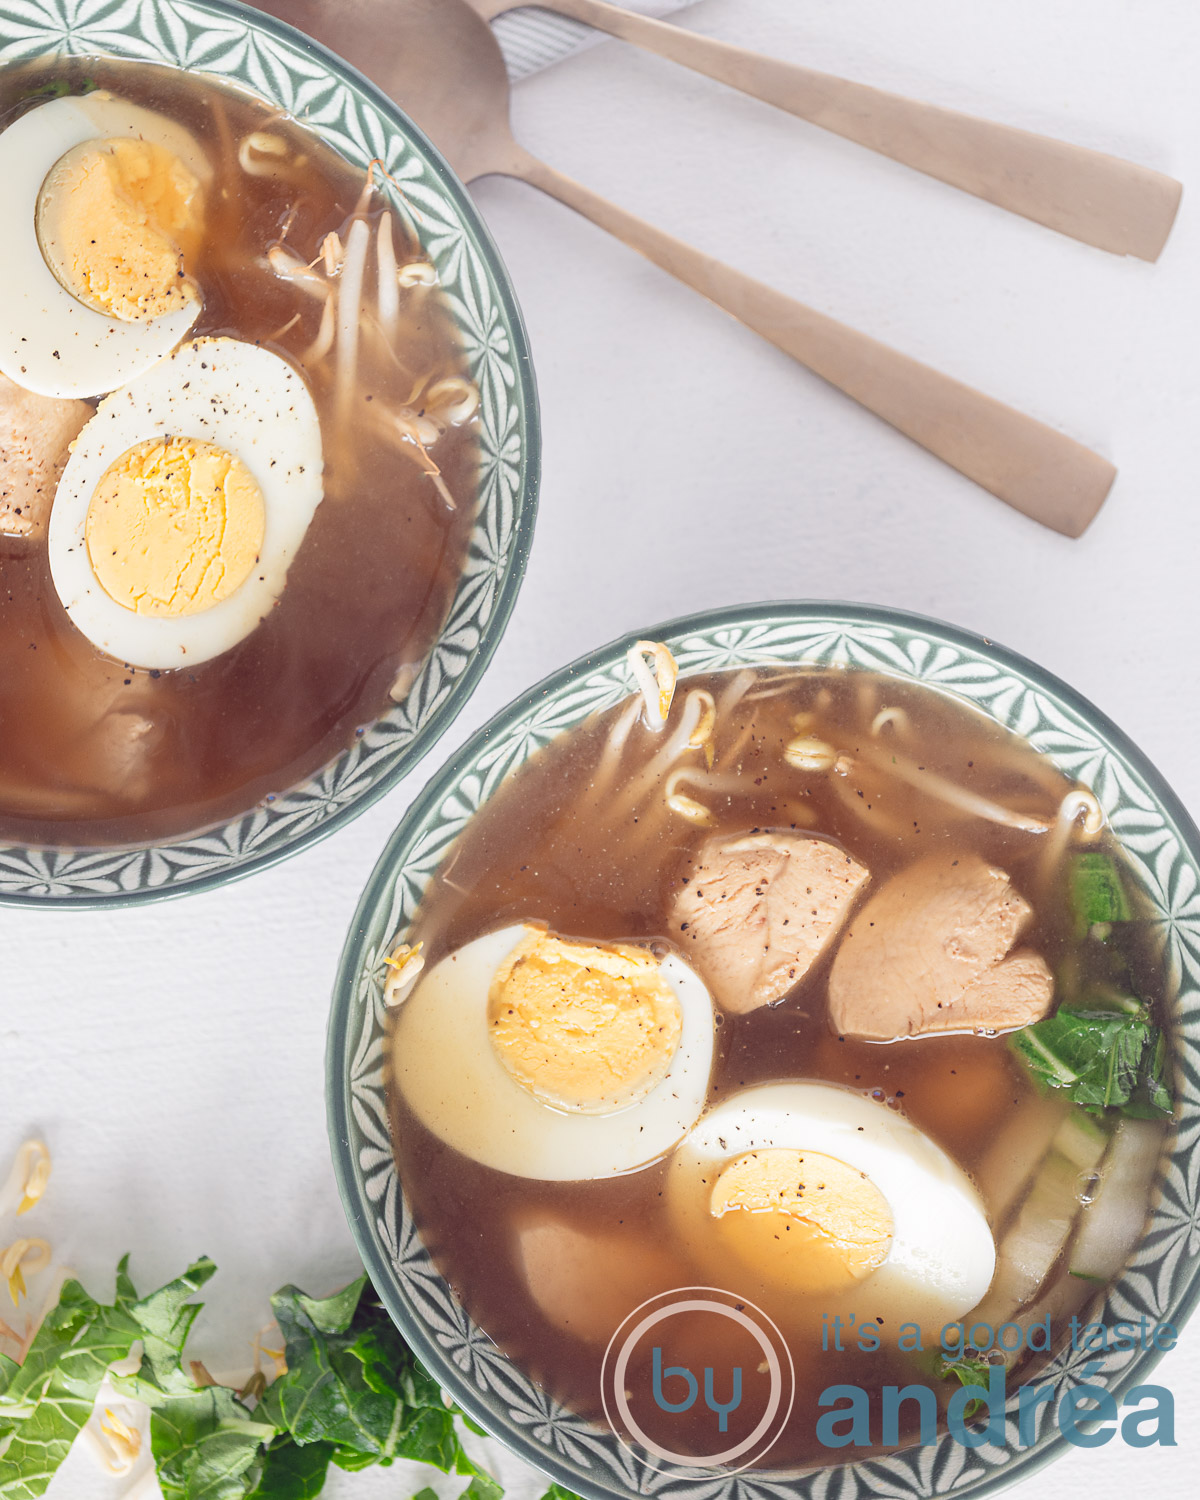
(1102, 200)
(1030, 466)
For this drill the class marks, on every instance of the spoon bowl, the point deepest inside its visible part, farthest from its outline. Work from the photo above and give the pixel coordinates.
(439, 60)
(436, 58)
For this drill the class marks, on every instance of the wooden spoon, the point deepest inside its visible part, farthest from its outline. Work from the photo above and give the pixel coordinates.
(440, 62)
(1102, 200)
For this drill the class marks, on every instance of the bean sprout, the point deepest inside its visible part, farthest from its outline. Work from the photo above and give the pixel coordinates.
(407, 216)
(323, 343)
(403, 681)
(28, 1178)
(121, 1444)
(9, 1334)
(405, 962)
(855, 800)
(807, 753)
(727, 783)
(262, 154)
(259, 144)
(388, 295)
(412, 428)
(1033, 767)
(866, 692)
(1077, 801)
(355, 333)
(944, 790)
(333, 253)
(417, 273)
(732, 755)
(702, 736)
(779, 681)
(657, 688)
(290, 268)
(402, 431)
(23, 1257)
(891, 718)
(454, 398)
(614, 748)
(349, 315)
(288, 220)
(687, 807)
(287, 327)
(276, 1356)
(660, 764)
(739, 685)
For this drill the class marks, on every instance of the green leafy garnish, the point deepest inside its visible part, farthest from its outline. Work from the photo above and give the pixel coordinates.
(969, 1369)
(46, 1400)
(1104, 1053)
(205, 1442)
(59, 88)
(1097, 893)
(353, 1382)
(292, 1472)
(353, 1395)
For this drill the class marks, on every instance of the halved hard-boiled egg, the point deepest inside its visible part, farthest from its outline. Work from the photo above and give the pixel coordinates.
(816, 1200)
(183, 503)
(102, 204)
(555, 1059)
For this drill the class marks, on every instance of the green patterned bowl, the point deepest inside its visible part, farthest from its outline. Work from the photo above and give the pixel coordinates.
(1162, 846)
(243, 47)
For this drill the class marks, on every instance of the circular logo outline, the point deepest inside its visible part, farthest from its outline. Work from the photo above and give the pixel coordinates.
(693, 1303)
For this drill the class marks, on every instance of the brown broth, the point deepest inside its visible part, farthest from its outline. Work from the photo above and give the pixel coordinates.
(96, 752)
(547, 847)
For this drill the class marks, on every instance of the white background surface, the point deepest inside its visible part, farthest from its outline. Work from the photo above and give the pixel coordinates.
(173, 1055)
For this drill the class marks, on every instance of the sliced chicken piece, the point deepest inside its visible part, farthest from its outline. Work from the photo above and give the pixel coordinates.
(35, 432)
(930, 952)
(1017, 992)
(588, 1283)
(116, 755)
(110, 729)
(757, 912)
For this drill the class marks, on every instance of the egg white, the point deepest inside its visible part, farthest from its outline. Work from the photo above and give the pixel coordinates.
(942, 1254)
(447, 1071)
(50, 342)
(247, 401)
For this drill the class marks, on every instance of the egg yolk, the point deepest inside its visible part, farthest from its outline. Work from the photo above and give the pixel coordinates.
(583, 1027)
(118, 221)
(174, 526)
(802, 1219)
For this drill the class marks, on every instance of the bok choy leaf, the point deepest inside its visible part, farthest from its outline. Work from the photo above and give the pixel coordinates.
(1104, 1053)
(353, 1395)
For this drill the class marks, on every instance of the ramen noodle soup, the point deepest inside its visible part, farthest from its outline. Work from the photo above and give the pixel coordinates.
(803, 985)
(238, 452)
